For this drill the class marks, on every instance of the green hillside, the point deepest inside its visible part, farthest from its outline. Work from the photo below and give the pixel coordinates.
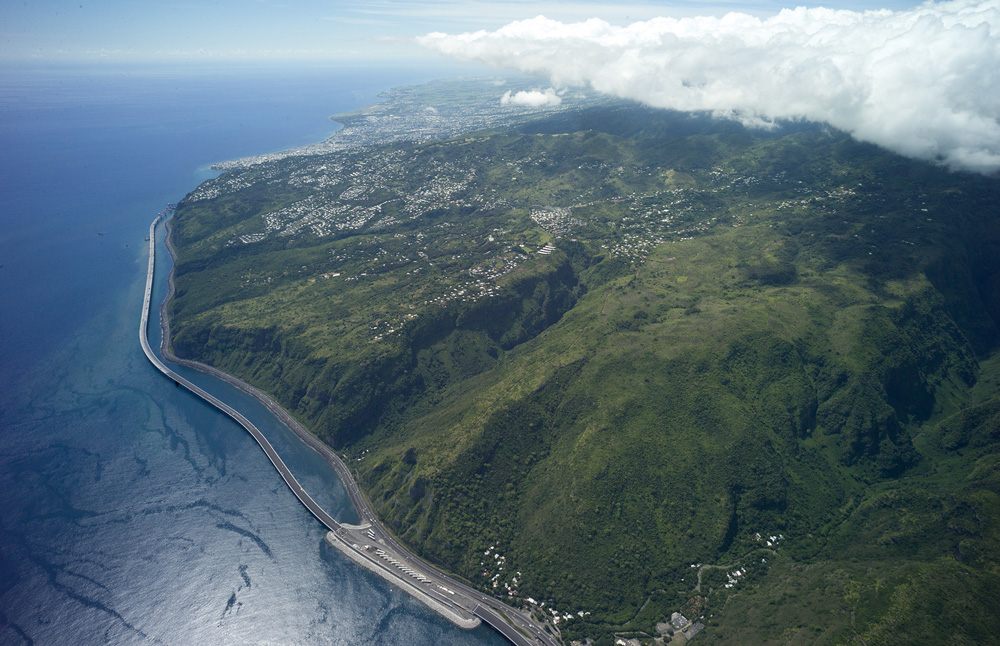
(582, 360)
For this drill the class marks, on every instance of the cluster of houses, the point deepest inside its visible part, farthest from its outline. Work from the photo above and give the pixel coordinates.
(554, 615)
(225, 184)
(330, 208)
(556, 220)
(493, 565)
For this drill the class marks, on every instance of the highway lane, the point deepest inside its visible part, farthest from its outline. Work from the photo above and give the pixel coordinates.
(485, 603)
(286, 474)
(501, 626)
(272, 455)
(463, 597)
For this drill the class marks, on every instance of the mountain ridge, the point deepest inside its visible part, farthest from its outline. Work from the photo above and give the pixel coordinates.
(732, 336)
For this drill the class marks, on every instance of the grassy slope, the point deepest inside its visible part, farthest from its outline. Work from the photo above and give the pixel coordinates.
(767, 377)
(679, 409)
(912, 560)
(629, 453)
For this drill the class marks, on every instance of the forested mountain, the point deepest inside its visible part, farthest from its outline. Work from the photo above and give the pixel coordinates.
(589, 358)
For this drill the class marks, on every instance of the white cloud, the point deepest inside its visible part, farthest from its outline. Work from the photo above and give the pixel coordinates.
(924, 82)
(531, 98)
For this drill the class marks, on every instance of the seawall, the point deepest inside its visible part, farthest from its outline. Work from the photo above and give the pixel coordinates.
(413, 590)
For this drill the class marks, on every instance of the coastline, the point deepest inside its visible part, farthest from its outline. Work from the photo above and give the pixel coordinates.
(360, 505)
(392, 579)
(515, 624)
(300, 431)
(391, 119)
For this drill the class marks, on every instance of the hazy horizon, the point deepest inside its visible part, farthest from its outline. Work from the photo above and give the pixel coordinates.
(310, 31)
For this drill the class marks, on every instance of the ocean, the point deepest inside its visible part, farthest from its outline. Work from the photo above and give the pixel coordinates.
(130, 511)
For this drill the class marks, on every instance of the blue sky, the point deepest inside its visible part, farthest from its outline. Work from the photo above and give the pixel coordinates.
(919, 79)
(301, 30)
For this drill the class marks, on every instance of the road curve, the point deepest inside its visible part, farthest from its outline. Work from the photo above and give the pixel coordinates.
(272, 455)
(496, 613)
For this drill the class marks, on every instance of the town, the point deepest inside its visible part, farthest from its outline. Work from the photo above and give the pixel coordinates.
(392, 219)
(423, 254)
(437, 110)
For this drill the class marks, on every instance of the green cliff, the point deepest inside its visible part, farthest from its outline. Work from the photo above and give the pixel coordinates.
(578, 359)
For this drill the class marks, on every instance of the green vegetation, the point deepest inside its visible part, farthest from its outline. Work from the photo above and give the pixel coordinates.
(615, 345)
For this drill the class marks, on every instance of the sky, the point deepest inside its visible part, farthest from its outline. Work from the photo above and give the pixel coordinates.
(921, 79)
(297, 30)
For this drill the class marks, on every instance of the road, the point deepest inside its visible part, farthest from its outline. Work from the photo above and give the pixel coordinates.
(418, 577)
(272, 455)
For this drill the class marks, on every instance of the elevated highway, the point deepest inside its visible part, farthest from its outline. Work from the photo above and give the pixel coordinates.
(272, 455)
(368, 544)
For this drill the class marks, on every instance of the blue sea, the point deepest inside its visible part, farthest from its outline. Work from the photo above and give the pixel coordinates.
(130, 511)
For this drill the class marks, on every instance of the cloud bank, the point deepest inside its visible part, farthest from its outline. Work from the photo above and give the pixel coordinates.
(532, 98)
(924, 82)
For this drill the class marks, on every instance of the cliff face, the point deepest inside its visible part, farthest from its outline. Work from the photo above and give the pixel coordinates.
(647, 432)
(607, 356)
